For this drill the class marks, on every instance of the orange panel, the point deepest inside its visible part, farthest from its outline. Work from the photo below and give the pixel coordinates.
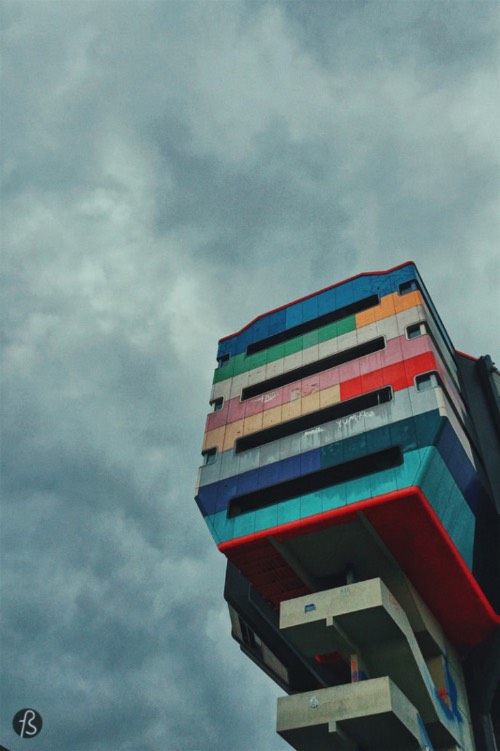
(389, 306)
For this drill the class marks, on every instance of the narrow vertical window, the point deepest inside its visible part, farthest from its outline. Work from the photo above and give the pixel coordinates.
(216, 404)
(427, 381)
(416, 330)
(406, 287)
(222, 360)
(209, 456)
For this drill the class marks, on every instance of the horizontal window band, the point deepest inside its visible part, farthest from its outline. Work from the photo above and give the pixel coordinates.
(389, 306)
(315, 481)
(339, 358)
(313, 419)
(315, 323)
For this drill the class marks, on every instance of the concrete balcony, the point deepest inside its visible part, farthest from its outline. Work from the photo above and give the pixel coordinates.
(365, 619)
(372, 714)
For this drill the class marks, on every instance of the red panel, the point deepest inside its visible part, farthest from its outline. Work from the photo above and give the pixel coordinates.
(399, 376)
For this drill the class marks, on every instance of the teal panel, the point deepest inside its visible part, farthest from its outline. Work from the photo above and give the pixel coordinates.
(290, 511)
(426, 424)
(359, 488)
(449, 504)
(332, 454)
(386, 481)
(310, 504)
(355, 447)
(268, 517)
(431, 478)
(244, 524)
(378, 439)
(332, 498)
(414, 465)
(211, 524)
(223, 527)
(404, 434)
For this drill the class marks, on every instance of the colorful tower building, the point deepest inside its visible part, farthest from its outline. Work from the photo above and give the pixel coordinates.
(354, 492)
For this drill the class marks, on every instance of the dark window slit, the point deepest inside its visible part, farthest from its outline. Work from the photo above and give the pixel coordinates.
(314, 367)
(315, 481)
(316, 323)
(312, 420)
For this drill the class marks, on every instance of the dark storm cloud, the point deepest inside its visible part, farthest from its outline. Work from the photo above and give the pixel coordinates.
(170, 171)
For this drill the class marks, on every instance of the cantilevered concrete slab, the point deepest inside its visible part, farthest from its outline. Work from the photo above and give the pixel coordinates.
(372, 714)
(365, 619)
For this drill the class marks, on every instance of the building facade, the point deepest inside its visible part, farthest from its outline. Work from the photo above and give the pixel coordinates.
(350, 477)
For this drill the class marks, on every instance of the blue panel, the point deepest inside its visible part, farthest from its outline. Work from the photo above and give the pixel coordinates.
(294, 316)
(327, 301)
(247, 481)
(310, 461)
(322, 302)
(458, 463)
(310, 308)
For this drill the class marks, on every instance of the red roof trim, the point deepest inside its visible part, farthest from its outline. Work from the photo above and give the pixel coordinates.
(464, 354)
(454, 596)
(313, 294)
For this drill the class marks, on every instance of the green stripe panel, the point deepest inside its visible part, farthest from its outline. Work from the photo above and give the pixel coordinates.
(242, 363)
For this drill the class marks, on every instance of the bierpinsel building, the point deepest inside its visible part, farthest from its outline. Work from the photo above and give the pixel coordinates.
(351, 467)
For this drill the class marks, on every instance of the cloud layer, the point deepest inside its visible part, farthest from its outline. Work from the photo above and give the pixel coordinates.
(172, 170)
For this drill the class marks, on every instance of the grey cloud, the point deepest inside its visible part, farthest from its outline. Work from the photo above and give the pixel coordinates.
(171, 171)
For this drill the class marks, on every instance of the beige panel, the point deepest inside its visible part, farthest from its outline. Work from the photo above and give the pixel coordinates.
(311, 354)
(310, 403)
(253, 423)
(257, 375)
(233, 431)
(291, 410)
(214, 438)
(329, 396)
(272, 417)
(275, 368)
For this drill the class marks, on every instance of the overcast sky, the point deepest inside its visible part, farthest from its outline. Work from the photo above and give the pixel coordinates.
(172, 169)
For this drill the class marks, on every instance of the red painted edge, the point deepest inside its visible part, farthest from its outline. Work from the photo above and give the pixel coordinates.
(313, 294)
(464, 354)
(455, 597)
(311, 523)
